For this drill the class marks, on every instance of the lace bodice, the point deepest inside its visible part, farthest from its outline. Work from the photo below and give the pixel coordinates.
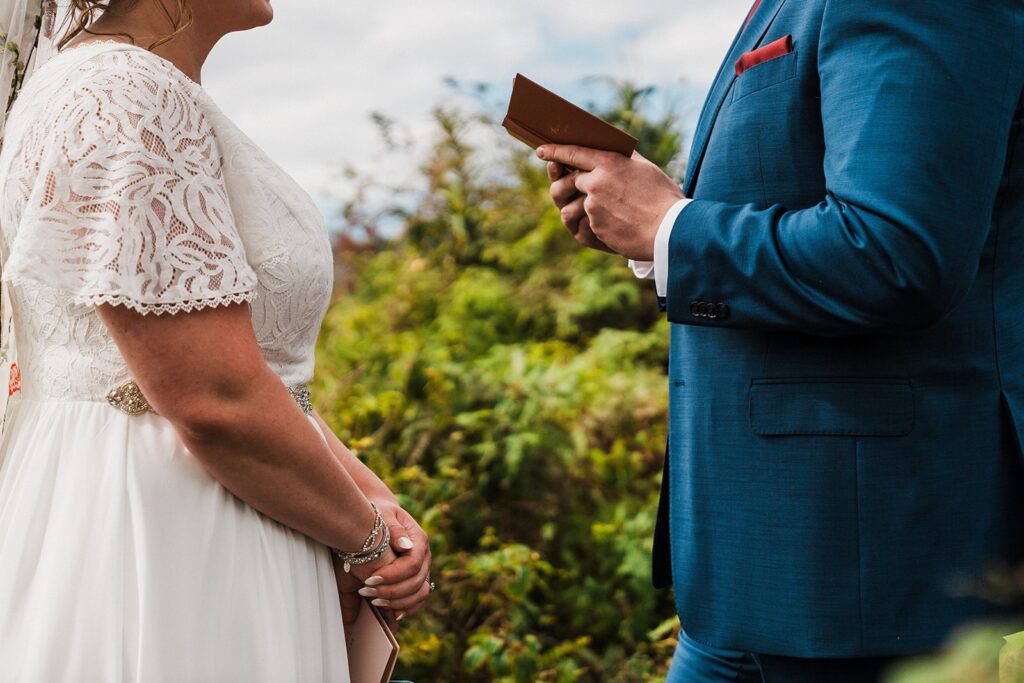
(122, 182)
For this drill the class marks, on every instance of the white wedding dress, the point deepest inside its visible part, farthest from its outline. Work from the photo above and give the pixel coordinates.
(121, 559)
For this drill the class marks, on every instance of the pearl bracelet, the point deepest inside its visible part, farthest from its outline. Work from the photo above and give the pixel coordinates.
(372, 550)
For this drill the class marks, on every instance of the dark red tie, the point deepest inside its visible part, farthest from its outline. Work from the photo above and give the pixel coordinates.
(753, 10)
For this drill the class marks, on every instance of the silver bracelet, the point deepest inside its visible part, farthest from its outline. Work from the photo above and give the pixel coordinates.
(372, 549)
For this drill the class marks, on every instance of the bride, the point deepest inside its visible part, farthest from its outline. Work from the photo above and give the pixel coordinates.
(171, 507)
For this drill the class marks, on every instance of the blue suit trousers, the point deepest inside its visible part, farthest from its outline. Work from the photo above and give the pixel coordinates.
(698, 663)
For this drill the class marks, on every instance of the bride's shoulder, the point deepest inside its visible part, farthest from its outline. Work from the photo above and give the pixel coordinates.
(115, 88)
(113, 76)
(94, 98)
(124, 66)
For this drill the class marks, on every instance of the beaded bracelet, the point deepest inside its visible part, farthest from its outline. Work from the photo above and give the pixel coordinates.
(371, 550)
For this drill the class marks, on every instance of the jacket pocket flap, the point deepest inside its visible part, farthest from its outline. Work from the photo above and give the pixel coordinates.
(833, 406)
(765, 75)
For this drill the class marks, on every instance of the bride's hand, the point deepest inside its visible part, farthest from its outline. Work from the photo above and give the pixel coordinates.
(348, 591)
(402, 586)
(350, 582)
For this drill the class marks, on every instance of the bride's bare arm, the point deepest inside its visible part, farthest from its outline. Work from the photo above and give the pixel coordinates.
(367, 480)
(403, 584)
(203, 371)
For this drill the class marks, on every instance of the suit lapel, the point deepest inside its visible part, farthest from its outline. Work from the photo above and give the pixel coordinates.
(747, 38)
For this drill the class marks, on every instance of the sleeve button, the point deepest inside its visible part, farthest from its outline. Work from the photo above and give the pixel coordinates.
(721, 311)
(695, 309)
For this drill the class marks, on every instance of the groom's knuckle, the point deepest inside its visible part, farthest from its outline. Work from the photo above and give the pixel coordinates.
(557, 189)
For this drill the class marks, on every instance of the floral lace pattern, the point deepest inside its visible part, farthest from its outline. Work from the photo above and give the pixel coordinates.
(132, 206)
(121, 182)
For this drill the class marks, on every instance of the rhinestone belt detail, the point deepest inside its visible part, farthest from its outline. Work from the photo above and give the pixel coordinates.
(128, 398)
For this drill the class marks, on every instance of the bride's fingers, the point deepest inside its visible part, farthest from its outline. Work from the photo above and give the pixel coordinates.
(398, 591)
(405, 603)
(400, 541)
(412, 528)
(404, 568)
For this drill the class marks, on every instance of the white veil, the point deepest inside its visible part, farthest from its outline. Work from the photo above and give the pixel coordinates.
(26, 29)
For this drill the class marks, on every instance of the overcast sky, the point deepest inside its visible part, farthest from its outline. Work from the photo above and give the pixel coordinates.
(304, 86)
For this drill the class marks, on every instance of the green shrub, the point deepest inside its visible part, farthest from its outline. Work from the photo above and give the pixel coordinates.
(510, 387)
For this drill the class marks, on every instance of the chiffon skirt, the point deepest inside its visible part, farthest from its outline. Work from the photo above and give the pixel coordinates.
(121, 559)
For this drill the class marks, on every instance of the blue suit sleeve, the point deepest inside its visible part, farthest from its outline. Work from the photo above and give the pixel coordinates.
(917, 100)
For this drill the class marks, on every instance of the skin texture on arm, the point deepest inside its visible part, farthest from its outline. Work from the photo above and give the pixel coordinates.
(402, 586)
(204, 373)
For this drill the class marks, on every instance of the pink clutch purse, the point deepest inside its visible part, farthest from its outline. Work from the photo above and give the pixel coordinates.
(372, 647)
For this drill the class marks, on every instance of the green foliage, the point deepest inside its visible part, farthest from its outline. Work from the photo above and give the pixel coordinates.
(510, 387)
(973, 657)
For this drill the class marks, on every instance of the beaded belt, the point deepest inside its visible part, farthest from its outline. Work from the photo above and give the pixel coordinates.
(128, 398)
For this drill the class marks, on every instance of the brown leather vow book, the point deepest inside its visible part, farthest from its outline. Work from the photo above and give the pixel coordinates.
(538, 116)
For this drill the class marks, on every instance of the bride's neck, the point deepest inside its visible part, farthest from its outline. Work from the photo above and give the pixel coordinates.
(147, 24)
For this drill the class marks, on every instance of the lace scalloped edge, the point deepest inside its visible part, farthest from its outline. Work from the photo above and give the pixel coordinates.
(161, 308)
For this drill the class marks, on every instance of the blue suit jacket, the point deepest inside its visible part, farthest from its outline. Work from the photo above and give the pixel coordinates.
(843, 432)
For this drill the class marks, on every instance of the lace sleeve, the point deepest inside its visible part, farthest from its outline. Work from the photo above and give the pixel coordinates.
(125, 202)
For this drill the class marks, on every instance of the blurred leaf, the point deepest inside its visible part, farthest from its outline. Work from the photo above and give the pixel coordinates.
(1011, 659)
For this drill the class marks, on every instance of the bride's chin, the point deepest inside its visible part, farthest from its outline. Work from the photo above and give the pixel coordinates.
(263, 12)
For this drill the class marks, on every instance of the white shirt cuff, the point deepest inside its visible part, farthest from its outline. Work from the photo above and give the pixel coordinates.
(661, 241)
(642, 269)
(658, 268)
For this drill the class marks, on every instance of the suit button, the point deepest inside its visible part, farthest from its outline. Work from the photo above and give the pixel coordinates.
(704, 309)
(721, 311)
(695, 309)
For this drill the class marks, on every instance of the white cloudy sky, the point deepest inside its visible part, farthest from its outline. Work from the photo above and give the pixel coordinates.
(303, 87)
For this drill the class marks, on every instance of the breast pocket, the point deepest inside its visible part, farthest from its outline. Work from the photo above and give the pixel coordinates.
(765, 75)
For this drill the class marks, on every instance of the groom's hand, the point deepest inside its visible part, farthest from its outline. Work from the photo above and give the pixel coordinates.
(622, 200)
(570, 206)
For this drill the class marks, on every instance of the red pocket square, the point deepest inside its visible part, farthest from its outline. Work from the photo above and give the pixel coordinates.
(780, 48)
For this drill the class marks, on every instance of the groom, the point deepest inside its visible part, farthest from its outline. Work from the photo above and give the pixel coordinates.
(844, 271)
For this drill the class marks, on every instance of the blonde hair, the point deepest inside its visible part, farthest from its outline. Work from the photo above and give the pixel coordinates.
(82, 13)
